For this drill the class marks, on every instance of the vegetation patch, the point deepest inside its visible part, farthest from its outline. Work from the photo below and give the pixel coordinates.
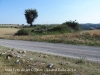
(53, 33)
(22, 32)
(21, 62)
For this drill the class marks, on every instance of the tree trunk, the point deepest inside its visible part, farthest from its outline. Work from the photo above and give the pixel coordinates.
(30, 24)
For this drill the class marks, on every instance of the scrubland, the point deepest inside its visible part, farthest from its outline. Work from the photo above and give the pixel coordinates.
(84, 37)
(21, 62)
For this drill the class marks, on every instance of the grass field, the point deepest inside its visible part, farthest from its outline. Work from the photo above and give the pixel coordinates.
(89, 37)
(8, 31)
(41, 61)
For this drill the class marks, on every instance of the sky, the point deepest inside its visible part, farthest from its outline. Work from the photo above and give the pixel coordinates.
(50, 11)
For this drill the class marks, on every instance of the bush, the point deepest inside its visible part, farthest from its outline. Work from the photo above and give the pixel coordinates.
(22, 32)
(60, 28)
(72, 24)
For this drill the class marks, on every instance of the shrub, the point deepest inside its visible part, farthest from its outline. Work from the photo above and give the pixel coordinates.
(72, 24)
(60, 28)
(22, 32)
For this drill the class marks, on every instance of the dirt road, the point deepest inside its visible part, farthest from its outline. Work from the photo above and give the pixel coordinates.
(87, 52)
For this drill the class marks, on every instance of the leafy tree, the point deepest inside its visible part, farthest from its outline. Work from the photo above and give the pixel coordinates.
(31, 15)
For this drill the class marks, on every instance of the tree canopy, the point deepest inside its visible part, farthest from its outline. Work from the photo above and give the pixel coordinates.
(30, 15)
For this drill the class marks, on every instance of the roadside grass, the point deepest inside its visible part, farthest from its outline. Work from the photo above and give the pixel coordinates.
(69, 66)
(87, 37)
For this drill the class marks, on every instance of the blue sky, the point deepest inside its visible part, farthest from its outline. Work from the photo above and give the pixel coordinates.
(50, 11)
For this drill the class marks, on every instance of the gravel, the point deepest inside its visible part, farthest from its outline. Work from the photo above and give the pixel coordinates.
(74, 51)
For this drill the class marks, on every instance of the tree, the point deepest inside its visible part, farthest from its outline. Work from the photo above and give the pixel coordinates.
(30, 15)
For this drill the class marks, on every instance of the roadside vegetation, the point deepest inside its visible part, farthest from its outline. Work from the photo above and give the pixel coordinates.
(20, 62)
(52, 33)
(69, 32)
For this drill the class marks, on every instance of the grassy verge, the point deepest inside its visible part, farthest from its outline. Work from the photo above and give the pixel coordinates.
(89, 37)
(32, 63)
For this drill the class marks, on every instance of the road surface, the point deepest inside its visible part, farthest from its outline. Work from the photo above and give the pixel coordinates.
(87, 52)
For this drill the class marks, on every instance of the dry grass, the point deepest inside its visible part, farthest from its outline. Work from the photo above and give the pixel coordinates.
(72, 66)
(89, 37)
(92, 32)
(8, 31)
(84, 37)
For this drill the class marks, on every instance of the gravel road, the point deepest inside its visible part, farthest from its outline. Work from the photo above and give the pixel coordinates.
(87, 52)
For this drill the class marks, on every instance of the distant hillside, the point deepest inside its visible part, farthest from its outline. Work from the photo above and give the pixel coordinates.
(88, 26)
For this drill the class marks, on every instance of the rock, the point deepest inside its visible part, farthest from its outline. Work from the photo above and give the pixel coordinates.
(43, 74)
(41, 55)
(43, 63)
(23, 51)
(29, 66)
(31, 59)
(17, 60)
(50, 65)
(18, 56)
(3, 53)
(45, 56)
(23, 60)
(8, 56)
(34, 69)
(62, 63)
(19, 51)
(12, 54)
(12, 49)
